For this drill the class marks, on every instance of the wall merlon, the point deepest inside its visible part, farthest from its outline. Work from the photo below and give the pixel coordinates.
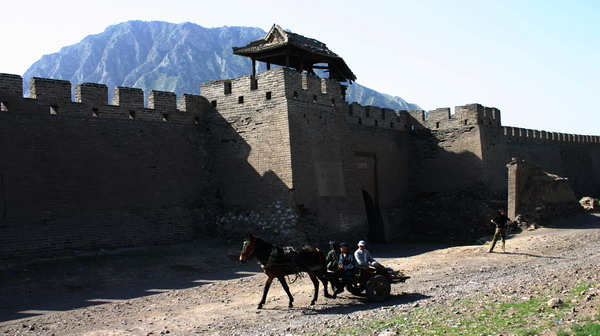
(193, 104)
(132, 98)
(162, 102)
(55, 90)
(91, 94)
(311, 83)
(9, 85)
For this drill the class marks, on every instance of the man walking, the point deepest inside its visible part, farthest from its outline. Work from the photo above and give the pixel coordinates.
(501, 221)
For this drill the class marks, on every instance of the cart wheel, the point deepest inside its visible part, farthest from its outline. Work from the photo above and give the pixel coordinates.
(355, 288)
(378, 288)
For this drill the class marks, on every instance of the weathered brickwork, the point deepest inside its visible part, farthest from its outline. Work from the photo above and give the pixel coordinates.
(282, 155)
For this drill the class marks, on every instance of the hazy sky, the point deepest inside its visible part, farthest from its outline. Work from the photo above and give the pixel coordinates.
(535, 60)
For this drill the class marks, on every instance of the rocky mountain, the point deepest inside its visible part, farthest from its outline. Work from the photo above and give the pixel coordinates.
(168, 57)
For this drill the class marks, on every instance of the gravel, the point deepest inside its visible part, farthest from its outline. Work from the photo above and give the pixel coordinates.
(194, 299)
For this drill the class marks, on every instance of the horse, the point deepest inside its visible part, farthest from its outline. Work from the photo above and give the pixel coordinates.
(276, 263)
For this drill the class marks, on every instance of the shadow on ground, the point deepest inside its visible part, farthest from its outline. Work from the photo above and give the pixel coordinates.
(47, 286)
(361, 303)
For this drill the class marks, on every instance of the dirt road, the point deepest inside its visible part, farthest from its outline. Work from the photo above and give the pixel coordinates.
(178, 291)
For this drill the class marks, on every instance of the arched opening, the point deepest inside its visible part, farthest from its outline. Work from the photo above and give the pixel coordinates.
(376, 233)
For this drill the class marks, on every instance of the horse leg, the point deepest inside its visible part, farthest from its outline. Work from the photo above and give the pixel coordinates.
(315, 282)
(287, 290)
(325, 285)
(335, 286)
(265, 291)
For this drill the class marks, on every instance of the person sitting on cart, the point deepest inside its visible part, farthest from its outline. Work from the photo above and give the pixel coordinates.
(346, 263)
(346, 266)
(333, 257)
(364, 258)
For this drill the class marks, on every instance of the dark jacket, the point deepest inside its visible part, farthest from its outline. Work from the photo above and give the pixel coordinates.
(501, 221)
(332, 260)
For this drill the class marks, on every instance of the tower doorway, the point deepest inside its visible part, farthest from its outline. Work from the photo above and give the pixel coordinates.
(366, 166)
(376, 233)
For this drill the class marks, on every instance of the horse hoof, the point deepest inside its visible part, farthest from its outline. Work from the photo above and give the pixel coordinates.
(290, 306)
(334, 296)
(312, 303)
(259, 306)
(328, 296)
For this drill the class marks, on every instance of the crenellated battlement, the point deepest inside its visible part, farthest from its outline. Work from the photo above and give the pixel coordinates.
(52, 96)
(378, 117)
(272, 85)
(463, 116)
(524, 135)
(440, 118)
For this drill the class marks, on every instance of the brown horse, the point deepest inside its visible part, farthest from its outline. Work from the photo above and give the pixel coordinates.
(277, 264)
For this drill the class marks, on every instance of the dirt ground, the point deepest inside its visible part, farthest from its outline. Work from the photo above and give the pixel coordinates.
(199, 288)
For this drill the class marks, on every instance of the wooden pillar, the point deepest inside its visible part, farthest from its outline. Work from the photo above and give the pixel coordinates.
(268, 65)
(253, 68)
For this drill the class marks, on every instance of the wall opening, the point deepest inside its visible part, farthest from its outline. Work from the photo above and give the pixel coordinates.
(268, 95)
(3, 107)
(53, 109)
(240, 99)
(314, 98)
(131, 114)
(165, 117)
(227, 88)
(94, 112)
(295, 94)
(376, 233)
(213, 103)
(366, 171)
(196, 120)
(437, 124)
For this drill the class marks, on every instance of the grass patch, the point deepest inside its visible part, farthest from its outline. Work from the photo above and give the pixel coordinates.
(480, 315)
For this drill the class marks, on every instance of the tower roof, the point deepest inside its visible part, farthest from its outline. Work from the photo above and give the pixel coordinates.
(293, 50)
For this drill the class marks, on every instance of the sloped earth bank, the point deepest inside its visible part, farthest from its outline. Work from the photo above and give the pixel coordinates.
(177, 290)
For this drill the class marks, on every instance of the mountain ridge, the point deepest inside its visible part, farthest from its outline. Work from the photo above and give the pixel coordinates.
(158, 55)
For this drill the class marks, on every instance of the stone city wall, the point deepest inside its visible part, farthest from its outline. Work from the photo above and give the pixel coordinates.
(88, 175)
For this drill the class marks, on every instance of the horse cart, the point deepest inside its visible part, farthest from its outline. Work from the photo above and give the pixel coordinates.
(375, 282)
(277, 263)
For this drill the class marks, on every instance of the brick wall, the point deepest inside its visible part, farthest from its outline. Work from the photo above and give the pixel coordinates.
(83, 175)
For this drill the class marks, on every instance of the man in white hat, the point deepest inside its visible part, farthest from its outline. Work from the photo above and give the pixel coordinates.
(363, 257)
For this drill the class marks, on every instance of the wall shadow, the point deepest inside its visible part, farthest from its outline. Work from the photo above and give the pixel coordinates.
(66, 284)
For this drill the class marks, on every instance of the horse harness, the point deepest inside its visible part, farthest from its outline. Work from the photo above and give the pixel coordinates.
(291, 253)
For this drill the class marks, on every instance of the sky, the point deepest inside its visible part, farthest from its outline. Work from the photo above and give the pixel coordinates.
(535, 60)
